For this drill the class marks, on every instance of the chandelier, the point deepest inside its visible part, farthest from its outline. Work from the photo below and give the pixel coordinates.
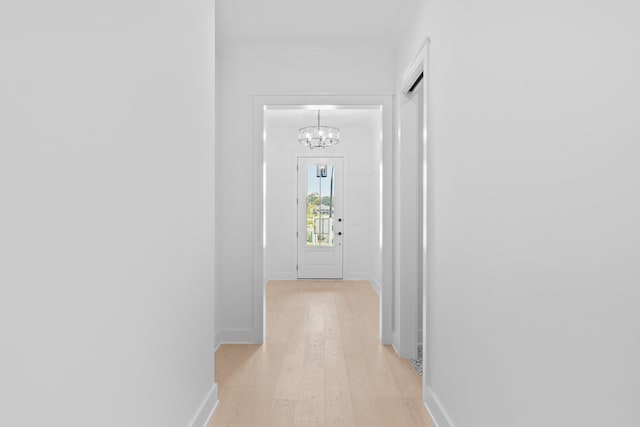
(318, 136)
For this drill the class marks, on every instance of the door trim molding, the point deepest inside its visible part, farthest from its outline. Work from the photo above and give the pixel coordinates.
(259, 104)
(420, 66)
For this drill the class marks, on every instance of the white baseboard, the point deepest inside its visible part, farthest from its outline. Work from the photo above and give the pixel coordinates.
(293, 276)
(356, 276)
(375, 284)
(208, 406)
(435, 409)
(237, 336)
(289, 275)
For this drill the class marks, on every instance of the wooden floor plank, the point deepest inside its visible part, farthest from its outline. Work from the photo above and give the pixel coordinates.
(282, 413)
(322, 364)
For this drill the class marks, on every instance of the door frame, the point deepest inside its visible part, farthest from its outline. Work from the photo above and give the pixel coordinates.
(345, 214)
(409, 316)
(259, 104)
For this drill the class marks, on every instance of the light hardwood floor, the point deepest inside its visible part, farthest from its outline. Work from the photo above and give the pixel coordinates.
(322, 364)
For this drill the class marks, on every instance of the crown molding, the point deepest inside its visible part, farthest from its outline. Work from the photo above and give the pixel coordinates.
(302, 48)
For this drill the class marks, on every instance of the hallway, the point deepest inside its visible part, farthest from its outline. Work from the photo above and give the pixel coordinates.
(322, 364)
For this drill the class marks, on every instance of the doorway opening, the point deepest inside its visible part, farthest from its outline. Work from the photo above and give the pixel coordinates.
(322, 206)
(351, 215)
(412, 107)
(417, 93)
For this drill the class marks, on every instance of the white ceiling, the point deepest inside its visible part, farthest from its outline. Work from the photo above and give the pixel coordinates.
(311, 21)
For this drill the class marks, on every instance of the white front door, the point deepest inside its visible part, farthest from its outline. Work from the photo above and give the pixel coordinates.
(320, 219)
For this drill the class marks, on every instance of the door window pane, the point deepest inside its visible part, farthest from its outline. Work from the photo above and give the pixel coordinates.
(319, 204)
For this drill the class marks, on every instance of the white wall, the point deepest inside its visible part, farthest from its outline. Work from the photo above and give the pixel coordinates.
(360, 148)
(106, 218)
(533, 315)
(239, 75)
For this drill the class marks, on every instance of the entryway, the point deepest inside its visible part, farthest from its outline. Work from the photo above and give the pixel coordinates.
(361, 209)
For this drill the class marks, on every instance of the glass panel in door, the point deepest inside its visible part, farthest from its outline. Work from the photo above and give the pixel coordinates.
(320, 209)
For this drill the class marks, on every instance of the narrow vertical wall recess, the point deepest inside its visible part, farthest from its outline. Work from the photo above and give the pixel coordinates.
(413, 216)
